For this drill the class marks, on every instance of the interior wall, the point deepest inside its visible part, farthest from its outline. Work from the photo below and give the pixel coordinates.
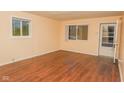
(44, 39)
(122, 49)
(89, 46)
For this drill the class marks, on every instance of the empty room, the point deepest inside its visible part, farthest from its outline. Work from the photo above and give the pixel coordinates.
(62, 46)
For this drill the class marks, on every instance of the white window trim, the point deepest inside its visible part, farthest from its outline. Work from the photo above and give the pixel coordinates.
(76, 31)
(30, 25)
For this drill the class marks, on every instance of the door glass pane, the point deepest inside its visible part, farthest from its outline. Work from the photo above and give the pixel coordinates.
(25, 28)
(82, 33)
(72, 32)
(108, 31)
(16, 27)
(111, 30)
(107, 39)
(108, 36)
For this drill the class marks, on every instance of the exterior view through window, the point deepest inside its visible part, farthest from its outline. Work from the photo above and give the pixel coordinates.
(20, 27)
(78, 32)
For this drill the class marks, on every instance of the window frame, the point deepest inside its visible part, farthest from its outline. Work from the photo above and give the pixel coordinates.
(67, 30)
(21, 19)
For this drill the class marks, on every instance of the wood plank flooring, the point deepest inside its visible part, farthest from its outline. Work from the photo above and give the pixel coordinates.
(61, 66)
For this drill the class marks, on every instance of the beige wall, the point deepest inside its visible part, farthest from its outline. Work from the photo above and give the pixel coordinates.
(89, 46)
(122, 49)
(45, 34)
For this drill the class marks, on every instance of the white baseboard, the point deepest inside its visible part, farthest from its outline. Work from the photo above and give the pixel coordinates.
(20, 59)
(120, 70)
(28, 57)
(94, 54)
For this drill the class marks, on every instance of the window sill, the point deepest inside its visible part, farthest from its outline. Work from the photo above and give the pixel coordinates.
(21, 37)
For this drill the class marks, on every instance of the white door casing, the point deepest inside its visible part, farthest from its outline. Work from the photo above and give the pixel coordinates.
(117, 40)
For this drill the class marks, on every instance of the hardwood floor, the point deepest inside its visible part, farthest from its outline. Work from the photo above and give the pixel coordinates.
(61, 66)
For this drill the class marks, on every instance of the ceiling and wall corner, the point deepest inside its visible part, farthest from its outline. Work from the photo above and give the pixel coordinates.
(70, 15)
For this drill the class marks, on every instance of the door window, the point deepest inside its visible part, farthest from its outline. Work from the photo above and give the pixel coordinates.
(108, 36)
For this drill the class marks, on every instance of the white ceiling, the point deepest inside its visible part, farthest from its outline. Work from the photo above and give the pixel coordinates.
(69, 15)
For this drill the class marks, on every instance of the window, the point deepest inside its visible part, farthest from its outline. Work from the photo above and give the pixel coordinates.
(78, 32)
(108, 36)
(16, 27)
(72, 32)
(20, 27)
(82, 33)
(25, 28)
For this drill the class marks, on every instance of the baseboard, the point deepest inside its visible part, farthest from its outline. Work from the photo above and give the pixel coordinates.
(120, 70)
(28, 57)
(94, 54)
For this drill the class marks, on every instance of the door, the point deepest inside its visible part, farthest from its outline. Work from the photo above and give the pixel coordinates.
(107, 39)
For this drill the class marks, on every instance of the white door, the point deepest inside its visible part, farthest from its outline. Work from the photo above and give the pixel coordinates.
(107, 39)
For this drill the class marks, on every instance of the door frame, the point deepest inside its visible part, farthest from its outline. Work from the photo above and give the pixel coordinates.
(99, 35)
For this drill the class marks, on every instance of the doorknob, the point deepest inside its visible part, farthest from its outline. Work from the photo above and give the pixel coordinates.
(115, 44)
